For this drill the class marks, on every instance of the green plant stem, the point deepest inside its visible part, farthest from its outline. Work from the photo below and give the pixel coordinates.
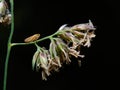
(9, 46)
(47, 37)
(6, 67)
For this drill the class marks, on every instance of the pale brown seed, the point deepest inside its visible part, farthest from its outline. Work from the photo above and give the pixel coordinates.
(32, 38)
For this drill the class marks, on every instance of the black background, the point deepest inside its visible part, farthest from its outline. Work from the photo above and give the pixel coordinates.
(100, 67)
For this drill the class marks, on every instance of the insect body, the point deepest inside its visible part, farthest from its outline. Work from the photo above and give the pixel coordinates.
(32, 38)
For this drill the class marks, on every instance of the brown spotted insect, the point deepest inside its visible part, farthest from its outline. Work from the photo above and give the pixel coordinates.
(32, 38)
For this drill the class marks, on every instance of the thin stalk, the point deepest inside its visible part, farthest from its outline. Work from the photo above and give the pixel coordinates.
(6, 67)
(16, 44)
(9, 46)
(42, 39)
